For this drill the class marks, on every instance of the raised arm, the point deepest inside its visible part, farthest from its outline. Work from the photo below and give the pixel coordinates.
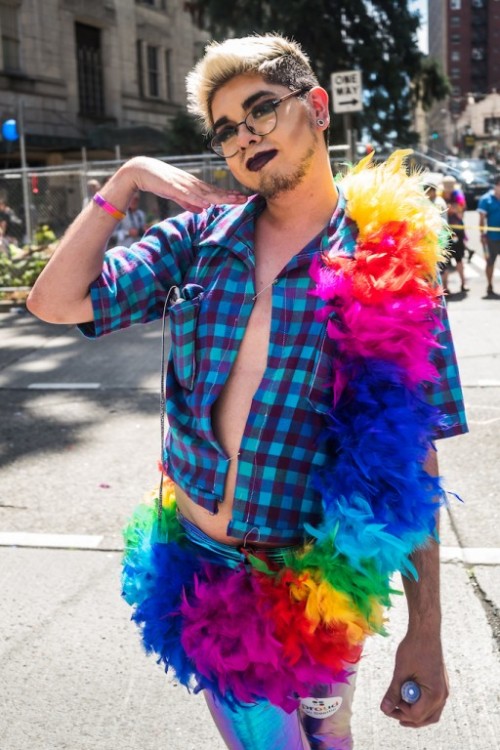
(61, 293)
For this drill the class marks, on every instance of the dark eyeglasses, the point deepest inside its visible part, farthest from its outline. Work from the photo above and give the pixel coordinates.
(261, 120)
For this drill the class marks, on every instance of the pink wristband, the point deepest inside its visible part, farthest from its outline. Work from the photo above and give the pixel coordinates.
(111, 210)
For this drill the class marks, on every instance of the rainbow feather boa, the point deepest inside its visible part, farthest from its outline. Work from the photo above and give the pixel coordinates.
(262, 631)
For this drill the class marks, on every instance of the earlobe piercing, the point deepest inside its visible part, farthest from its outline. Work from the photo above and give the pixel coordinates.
(320, 123)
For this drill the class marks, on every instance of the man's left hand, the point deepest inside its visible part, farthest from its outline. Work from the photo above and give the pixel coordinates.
(420, 658)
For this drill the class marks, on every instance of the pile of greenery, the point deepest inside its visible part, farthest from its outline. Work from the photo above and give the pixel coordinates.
(21, 270)
(21, 266)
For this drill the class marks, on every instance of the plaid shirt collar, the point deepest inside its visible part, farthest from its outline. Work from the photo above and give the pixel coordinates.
(238, 235)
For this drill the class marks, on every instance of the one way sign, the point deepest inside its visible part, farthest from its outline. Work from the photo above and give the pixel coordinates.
(347, 91)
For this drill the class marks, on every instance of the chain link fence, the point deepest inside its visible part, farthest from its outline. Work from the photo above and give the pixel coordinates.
(55, 195)
(38, 205)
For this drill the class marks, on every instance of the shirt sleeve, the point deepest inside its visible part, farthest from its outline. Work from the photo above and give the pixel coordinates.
(482, 204)
(135, 280)
(446, 392)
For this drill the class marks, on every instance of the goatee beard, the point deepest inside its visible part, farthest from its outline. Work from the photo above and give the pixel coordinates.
(273, 185)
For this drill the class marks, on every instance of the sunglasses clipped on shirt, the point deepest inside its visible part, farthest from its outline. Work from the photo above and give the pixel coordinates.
(261, 120)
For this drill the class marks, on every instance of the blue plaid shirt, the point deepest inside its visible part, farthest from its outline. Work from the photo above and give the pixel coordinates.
(206, 263)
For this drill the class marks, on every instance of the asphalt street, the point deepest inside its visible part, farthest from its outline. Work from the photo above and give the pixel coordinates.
(79, 447)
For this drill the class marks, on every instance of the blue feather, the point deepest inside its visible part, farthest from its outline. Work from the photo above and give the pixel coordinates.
(375, 488)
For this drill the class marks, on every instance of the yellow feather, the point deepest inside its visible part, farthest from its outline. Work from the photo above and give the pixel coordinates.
(384, 193)
(325, 605)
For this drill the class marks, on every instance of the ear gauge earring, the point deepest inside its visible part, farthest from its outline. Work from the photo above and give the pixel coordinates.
(320, 123)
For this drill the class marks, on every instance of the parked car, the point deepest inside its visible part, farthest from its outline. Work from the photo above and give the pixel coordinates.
(475, 177)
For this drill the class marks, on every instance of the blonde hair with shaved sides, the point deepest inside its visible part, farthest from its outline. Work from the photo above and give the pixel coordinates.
(277, 59)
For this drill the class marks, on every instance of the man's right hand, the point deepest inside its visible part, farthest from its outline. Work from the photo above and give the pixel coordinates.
(166, 181)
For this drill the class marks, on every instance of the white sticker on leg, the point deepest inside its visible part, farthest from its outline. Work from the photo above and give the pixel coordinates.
(320, 708)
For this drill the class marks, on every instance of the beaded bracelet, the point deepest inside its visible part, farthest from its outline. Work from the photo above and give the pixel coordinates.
(111, 210)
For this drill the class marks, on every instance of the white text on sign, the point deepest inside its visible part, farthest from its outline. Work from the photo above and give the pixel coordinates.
(347, 93)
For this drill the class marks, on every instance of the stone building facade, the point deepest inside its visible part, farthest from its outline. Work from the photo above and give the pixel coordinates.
(106, 75)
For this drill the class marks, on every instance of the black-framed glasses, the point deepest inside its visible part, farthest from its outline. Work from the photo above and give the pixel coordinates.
(261, 120)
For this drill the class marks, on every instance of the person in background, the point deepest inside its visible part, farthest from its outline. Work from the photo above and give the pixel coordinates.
(10, 223)
(449, 187)
(489, 226)
(452, 194)
(93, 187)
(456, 246)
(133, 226)
(431, 185)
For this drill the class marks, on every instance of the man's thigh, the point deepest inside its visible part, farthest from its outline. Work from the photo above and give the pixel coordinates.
(323, 721)
(326, 715)
(493, 251)
(256, 726)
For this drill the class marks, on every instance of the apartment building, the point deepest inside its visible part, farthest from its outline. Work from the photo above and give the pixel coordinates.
(464, 35)
(104, 75)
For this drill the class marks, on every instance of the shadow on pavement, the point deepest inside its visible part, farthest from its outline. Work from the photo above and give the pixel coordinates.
(55, 359)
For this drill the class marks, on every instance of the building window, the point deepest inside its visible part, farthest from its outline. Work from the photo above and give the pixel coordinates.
(455, 4)
(455, 55)
(455, 38)
(153, 73)
(479, 36)
(455, 72)
(90, 73)
(478, 3)
(168, 75)
(477, 53)
(11, 44)
(492, 125)
(140, 67)
(455, 21)
(158, 4)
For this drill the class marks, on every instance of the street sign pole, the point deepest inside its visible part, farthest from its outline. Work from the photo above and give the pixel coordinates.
(347, 97)
(24, 176)
(350, 138)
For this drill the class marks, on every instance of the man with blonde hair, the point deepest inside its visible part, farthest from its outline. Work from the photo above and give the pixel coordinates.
(296, 450)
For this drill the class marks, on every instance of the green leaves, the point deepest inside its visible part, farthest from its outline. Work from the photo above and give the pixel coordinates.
(429, 84)
(21, 268)
(183, 135)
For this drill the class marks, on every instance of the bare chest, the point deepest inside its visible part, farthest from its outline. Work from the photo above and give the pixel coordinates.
(234, 402)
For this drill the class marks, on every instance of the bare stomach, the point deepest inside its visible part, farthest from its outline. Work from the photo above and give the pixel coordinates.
(214, 525)
(229, 417)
